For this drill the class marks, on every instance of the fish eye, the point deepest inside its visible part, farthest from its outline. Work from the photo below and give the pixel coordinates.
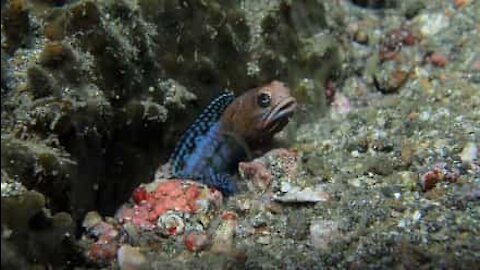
(263, 100)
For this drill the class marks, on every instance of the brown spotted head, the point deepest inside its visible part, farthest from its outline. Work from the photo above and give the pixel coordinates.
(259, 113)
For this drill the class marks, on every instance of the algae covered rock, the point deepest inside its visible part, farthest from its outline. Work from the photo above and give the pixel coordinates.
(104, 82)
(96, 93)
(29, 229)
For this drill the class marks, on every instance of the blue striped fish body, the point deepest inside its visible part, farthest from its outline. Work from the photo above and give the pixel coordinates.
(205, 152)
(222, 134)
(215, 150)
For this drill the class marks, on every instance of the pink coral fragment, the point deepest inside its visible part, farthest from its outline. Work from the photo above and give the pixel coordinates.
(170, 195)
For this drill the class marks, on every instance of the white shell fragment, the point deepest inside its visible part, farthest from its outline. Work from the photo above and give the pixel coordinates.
(296, 194)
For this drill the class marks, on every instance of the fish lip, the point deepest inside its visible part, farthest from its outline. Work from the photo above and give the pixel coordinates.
(278, 117)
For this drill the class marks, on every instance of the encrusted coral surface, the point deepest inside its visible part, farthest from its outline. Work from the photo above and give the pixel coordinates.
(378, 169)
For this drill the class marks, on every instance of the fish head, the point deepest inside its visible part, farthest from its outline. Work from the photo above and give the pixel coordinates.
(260, 112)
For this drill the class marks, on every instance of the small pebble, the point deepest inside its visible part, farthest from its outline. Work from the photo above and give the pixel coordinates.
(469, 153)
(91, 219)
(432, 24)
(475, 66)
(322, 233)
(223, 238)
(264, 240)
(458, 4)
(437, 59)
(255, 173)
(196, 240)
(361, 37)
(130, 258)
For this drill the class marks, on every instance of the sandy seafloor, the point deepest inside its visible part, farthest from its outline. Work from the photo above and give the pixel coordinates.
(391, 161)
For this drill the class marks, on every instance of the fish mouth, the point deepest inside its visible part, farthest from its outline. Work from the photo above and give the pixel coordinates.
(279, 115)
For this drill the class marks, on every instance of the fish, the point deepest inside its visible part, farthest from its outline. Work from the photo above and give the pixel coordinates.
(226, 131)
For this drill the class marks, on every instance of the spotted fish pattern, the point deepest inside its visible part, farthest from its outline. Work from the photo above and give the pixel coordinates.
(196, 154)
(222, 135)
